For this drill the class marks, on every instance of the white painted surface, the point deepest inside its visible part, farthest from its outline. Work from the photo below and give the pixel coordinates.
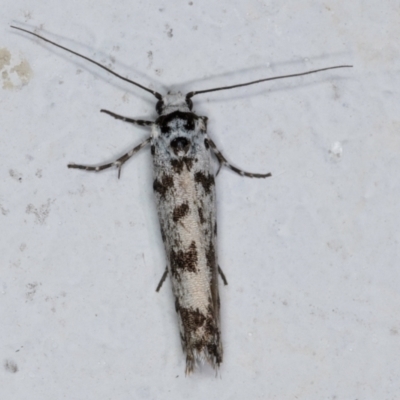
(311, 254)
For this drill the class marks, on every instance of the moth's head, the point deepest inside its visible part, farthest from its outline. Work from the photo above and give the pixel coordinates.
(173, 102)
(179, 132)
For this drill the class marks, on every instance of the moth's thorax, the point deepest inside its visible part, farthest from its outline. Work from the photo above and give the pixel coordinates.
(173, 102)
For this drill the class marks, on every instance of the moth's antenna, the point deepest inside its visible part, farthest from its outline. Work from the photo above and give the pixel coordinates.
(157, 95)
(191, 94)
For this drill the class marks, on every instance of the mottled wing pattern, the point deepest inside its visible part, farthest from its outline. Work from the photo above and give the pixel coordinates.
(185, 195)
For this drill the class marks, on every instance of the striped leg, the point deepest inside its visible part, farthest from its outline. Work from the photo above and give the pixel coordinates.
(139, 122)
(222, 275)
(117, 163)
(223, 161)
(163, 278)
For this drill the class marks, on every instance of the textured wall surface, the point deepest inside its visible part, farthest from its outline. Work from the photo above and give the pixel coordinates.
(311, 254)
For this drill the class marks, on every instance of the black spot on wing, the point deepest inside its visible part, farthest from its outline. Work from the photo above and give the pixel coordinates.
(177, 305)
(191, 319)
(210, 256)
(164, 238)
(211, 329)
(153, 149)
(178, 164)
(201, 335)
(180, 212)
(214, 351)
(206, 180)
(162, 187)
(201, 216)
(188, 162)
(183, 261)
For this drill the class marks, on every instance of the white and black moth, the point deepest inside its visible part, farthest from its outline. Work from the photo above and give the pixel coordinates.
(184, 187)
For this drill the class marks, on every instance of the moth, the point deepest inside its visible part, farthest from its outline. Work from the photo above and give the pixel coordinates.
(184, 188)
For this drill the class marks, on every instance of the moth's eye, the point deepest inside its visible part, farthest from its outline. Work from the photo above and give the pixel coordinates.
(180, 144)
(165, 129)
(189, 103)
(159, 106)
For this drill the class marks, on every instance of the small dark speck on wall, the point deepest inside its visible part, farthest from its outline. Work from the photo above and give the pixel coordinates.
(169, 31)
(10, 366)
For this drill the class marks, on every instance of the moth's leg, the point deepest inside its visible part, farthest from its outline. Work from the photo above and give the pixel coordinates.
(223, 277)
(219, 166)
(139, 122)
(222, 160)
(117, 163)
(162, 280)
